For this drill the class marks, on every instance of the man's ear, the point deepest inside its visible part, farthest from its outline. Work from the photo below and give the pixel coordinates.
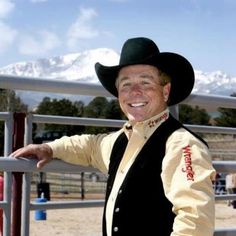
(166, 91)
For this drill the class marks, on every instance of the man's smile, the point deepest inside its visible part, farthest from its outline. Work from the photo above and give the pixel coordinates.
(138, 104)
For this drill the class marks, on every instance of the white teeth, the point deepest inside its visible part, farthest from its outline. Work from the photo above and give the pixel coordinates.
(137, 104)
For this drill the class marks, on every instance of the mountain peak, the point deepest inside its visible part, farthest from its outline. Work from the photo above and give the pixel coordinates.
(74, 66)
(80, 67)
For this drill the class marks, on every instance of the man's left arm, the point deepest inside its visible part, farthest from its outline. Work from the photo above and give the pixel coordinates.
(187, 176)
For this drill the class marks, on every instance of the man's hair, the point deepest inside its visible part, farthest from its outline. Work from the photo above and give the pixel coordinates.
(164, 77)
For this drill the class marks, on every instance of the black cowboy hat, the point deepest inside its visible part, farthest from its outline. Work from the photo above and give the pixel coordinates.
(145, 51)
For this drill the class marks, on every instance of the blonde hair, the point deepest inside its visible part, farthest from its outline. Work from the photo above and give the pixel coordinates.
(164, 77)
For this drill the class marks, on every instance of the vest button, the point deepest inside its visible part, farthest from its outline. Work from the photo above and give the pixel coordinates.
(117, 209)
(115, 229)
(120, 191)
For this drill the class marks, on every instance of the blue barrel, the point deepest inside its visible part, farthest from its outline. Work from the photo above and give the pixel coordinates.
(40, 214)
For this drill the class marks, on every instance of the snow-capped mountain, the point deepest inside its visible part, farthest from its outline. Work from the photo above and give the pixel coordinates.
(214, 83)
(74, 67)
(80, 67)
(71, 67)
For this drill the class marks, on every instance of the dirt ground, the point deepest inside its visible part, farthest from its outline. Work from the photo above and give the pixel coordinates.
(88, 221)
(68, 222)
(225, 215)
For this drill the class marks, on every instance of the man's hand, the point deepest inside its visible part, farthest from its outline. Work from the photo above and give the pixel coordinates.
(42, 152)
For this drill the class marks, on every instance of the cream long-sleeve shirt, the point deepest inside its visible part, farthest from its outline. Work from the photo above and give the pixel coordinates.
(187, 180)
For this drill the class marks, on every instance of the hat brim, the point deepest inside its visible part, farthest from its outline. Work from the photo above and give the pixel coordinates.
(176, 66)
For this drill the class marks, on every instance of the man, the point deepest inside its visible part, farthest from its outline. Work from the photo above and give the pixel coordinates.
(160, 173)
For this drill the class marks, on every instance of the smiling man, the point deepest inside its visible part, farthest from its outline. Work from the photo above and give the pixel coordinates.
(160, 173)
(142, 91)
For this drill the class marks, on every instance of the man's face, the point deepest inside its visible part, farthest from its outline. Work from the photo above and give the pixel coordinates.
(139, 92)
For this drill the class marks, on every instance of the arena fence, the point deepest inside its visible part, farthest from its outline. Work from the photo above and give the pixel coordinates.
(15, 170)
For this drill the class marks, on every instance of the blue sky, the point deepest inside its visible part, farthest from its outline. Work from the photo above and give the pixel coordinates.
(204, 31)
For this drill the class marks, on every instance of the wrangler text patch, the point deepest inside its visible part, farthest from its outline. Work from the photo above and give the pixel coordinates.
(188, 169)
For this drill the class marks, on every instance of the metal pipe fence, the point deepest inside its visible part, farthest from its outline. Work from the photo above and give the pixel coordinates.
(27, 166)
(7, 118)
(9, 165)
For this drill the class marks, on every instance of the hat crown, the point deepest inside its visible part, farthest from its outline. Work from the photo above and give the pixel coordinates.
(144, 51)
(136, 50)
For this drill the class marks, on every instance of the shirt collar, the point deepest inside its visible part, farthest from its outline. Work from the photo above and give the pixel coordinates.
(147, 127)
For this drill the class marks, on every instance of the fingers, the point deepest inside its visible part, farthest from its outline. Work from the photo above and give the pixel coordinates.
(42, 152)
(44, 155)
(41, 163)
(28, 151)
(15, 154)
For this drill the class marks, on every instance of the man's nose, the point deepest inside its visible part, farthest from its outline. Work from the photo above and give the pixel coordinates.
(136, 88)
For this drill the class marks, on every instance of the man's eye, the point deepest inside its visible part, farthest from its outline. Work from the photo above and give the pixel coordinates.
(145, 82)
(124, 85)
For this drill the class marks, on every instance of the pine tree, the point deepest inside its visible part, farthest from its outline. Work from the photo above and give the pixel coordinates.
(63, 107)
(227, 116)
(113, 111)
(9, 102)
(96, 109)
(190, 115)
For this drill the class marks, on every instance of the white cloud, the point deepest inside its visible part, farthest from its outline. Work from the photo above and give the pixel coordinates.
(39, 44)
(7, 36)
(6, 7)
(82, 28)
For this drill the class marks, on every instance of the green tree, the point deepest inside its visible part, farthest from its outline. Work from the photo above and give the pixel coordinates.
(113, 110)
(227, 116)
(9, 102)
(63, 107)
(96, 108)
(190, 115)
(102, 108)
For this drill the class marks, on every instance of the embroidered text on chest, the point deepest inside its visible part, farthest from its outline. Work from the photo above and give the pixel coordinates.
(188, 163)
(152, 123)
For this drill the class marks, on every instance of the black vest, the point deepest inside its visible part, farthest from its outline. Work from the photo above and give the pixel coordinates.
(141, 207)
